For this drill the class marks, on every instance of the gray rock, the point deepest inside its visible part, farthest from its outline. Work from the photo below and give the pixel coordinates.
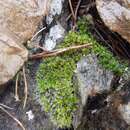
(55, 9)
(56, 21)
(92, 78)
(56, 33)
(124, 110)
(124, 96)
(116, 15)
(101, 107)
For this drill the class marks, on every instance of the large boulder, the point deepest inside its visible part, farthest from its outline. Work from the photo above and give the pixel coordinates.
(19, 20)
(116, 15)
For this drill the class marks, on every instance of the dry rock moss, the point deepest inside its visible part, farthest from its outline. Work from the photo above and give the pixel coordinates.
(54, 77)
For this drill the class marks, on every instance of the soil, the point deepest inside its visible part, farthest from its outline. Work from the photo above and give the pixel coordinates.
(40, 121)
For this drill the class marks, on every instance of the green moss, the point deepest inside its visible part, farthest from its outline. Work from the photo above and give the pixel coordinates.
(55, 84)
(54, 76)
(106, 58)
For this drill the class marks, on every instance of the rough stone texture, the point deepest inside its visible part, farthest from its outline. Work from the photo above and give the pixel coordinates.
(55, 9)
(124, 96)
(18, 22)
(56, 22)
(92, 78)
(12, 55)
(104, 104)
(125, 112)
(56, 33)
(116, 15)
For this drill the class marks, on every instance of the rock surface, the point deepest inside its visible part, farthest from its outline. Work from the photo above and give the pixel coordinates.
(116, 15)
(56, 22)
(92, 78)
(18, 22)
(56, 7)
(124, 96)
(100, 106)
(57, 33)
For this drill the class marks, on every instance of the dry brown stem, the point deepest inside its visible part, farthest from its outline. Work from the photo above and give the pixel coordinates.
(58, 51)
(14, 118)
(5, 106)
(26, 87)
(72, 10)
(77, 7)
(16, 88)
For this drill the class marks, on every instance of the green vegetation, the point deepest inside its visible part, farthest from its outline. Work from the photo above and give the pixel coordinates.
(106, 58)
(54, 77)
(55, 84)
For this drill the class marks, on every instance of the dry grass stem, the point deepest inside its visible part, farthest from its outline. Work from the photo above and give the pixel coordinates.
(77, 7)
(58, 51)
(72, 10)
(14, 118)
(26, 87)
(16, 88)
(5, 106)
(36, 34)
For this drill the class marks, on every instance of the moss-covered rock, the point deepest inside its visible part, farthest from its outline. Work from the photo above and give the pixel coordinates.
(54, 77)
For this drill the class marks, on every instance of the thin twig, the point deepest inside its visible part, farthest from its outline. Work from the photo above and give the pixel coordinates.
(26, 88)
(37, 34)
(41, 47)
(72, 10)
(77, 7)
(69, 16)
(58, 51)
(16, 88)
(5, 106)
(14, 118)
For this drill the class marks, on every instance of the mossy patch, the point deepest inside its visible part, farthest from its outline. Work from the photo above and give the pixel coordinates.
(106, 58)
(54, 76)
(55, 84)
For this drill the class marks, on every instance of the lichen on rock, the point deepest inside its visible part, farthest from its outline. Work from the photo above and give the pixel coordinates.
(55, 9)
(55, 35)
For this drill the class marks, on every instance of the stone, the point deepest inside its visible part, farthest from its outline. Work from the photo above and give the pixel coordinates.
(116, 15)
(104, 103)
(12, 55)
(124, 109)
(92, 78)
(55, 35)
(18, 23)
(124, 95)
(55, 9)
(56, 23)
